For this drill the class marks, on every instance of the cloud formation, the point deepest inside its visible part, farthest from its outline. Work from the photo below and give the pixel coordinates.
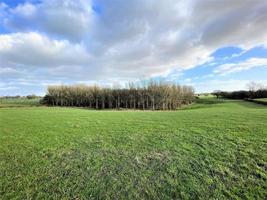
(124, 40)
(69, 19)
(241, 66)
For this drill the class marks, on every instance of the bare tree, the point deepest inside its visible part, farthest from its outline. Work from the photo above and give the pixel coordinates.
(154, 95)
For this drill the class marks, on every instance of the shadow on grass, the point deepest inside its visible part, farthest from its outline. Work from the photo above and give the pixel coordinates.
(210, 101)
(248, 104)
(204, 103)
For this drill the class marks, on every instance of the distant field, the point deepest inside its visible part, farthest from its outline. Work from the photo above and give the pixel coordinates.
(207, 96)
(262, 99)
(214, 149)
(19, 102)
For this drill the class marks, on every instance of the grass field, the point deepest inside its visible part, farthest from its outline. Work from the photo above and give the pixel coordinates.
(262, 99)
(19, 102)
(210, 150)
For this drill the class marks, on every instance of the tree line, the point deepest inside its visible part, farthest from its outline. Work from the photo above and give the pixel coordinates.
(242, 94)
(31, 96)
(153, 96)
(255, 90)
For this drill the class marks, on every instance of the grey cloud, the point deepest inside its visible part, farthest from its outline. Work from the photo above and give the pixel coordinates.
(235, 23)
(35, 50)
(62, 18)
(127, 39)
(240, 66)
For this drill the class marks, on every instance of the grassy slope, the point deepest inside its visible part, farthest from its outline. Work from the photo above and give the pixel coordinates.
(210, 150)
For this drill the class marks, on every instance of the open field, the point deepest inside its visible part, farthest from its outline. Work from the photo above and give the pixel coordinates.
(214, 149)
(19, 102)
(262, 99)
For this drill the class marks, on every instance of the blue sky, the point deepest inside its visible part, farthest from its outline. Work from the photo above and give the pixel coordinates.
(207, 44)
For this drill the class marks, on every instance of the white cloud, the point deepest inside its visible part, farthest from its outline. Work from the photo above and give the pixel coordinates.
(125, 40)
(7, 88)
(66, 18)
(11, 73)
(241, 66)
(35, 50)
(224, 85)
(26, 10)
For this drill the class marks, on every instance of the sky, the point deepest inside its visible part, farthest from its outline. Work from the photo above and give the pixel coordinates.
(211, 45)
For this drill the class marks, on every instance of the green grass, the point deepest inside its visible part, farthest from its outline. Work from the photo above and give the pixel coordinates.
(19, 102)
(206, 96)
(210, 150)
(262, 99)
